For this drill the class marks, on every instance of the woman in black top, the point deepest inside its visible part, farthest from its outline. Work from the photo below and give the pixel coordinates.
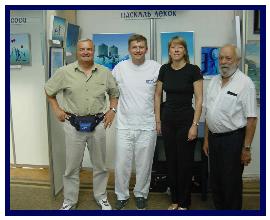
(179, 121)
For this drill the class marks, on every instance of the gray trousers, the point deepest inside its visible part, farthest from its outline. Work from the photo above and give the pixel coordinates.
(75, 146)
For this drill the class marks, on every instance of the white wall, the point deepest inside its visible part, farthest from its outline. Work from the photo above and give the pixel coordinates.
(28, 99)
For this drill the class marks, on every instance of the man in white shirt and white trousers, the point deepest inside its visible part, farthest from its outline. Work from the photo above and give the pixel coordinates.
(231, 117)
(135, 122)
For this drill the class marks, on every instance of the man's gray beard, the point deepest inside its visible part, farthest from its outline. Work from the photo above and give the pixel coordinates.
(229, 73)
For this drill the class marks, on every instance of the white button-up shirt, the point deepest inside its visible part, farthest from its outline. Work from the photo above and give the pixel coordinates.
(228, 107)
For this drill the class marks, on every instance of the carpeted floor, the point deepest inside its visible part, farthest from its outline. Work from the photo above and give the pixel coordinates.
(34, 194)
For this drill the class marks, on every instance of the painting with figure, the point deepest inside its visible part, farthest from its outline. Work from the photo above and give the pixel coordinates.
(110, 49)
(72, 37)
(20, 49)
(165, 37)
(209, 61)
(58, 28)
(252, 59)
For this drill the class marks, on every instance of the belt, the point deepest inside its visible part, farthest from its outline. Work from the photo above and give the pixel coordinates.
(227, 133)
(73, 115)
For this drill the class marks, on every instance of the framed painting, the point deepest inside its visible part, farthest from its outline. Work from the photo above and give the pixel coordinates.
(209, 61)
(20, 53)
(58, 28)
(252, 59)
(56, 59)
(111, 49)
(165, 37)
(72, 37)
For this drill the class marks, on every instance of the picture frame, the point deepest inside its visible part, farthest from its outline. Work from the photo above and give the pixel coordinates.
(56, 59)
(256, 22)
(111, 48)
(209, 61)
(72, 38)
(57, 28)
(20, 50)
(252, 60)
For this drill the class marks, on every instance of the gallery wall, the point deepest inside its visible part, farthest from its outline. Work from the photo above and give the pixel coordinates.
(29, 109)
(211, 28)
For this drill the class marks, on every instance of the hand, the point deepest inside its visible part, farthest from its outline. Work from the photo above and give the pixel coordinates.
(192, 134)
(245, 156)
(158, 127)
(108, 118)
(61, 115)
(205, 148)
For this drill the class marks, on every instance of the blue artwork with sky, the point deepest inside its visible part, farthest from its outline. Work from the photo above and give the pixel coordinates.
(19, 49)
(71, 42)
(59, 28)
(110, 49)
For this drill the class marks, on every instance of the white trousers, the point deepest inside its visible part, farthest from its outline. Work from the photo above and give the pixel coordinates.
(141, 145)
(75, 145)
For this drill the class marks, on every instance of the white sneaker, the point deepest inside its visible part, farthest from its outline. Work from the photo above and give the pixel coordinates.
(105, 205)
(66, 206)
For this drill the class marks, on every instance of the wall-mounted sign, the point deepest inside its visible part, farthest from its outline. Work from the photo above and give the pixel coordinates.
(147, 14)
(23, 20)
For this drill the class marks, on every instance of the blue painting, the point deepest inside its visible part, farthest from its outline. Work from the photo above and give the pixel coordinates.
(110, 49)
(72, 37)
(56, 59)
(59, 28)
(209, 61)
(252, 59)
(20, 49)
(167, 36)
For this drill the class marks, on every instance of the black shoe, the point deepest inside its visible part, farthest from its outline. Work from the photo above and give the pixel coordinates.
(140, 203)
(120, 204)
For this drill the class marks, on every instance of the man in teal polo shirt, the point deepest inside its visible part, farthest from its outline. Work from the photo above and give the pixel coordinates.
(84, 85)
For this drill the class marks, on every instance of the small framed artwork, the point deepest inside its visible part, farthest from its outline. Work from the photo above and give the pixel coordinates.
(112, 48)
(72, 37)
(57, 28)
(20, 53)
(256, 23)
(209, 61)
(56, 59)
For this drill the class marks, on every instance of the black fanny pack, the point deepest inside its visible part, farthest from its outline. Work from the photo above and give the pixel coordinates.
(85, 123)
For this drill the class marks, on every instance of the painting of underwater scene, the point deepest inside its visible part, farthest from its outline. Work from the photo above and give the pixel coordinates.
(20, 49)
(110, 49)
(165, 37)
(252, 59)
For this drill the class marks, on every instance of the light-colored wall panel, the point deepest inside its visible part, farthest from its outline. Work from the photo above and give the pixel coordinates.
(28, 99)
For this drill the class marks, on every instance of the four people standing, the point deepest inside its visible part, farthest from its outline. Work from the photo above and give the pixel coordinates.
(229, 129)
(179, 121)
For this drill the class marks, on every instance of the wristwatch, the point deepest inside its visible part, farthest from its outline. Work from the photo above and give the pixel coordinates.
(113, 109)
(195, 123)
